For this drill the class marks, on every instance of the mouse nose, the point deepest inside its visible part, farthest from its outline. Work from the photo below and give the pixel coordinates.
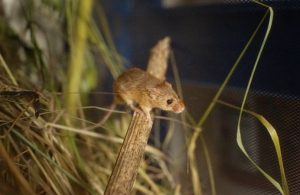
(179, 107)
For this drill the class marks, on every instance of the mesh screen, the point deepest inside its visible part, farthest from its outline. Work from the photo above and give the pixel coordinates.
(233, 172)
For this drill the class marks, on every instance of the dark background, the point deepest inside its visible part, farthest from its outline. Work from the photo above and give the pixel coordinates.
(207, 40)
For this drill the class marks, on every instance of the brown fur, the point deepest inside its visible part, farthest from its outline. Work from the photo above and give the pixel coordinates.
(136, 86)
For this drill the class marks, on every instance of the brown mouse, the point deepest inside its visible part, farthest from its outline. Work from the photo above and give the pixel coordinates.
(143, 92)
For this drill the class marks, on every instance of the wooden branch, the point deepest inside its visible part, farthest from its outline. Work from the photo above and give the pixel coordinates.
(130, 155)
(132, 150)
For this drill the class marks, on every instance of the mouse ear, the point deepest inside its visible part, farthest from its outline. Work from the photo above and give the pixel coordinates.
(168, 84)
(163, 83)
(153, 92)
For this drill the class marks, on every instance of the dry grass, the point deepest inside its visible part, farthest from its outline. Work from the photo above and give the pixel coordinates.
(36, 156)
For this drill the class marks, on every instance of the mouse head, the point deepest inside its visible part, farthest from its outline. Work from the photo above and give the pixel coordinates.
(164, 97)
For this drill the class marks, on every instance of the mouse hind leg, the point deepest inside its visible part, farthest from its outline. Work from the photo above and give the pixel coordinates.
(134, 106)
(125, 99)
(144, 110)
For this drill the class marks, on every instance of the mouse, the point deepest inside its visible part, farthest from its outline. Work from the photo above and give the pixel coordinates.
(142, 92)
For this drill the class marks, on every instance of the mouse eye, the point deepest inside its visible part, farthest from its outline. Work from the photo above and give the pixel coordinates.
(169, 101)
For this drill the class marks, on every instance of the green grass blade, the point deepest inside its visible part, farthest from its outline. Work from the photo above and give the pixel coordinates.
(239, 138)
(9, 73)
(275, 139)
(196, 134)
